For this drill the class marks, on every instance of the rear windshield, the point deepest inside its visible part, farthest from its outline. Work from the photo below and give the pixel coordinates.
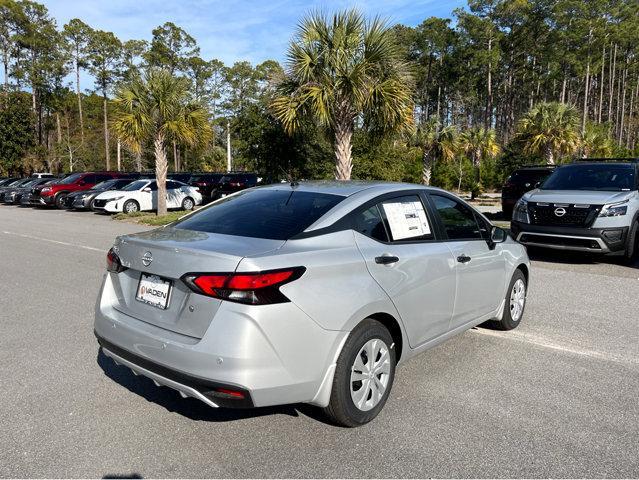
(270, 214)
(604, 177)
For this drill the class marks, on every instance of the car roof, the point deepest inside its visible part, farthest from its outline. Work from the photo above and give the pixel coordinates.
(346, 188)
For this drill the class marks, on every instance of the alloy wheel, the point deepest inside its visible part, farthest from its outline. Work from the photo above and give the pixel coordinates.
(517, 300)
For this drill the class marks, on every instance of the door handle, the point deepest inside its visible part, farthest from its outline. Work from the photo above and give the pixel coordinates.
(386, 259)
(463, 258)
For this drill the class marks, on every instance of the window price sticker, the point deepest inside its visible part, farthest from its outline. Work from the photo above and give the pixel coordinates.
(406, 219)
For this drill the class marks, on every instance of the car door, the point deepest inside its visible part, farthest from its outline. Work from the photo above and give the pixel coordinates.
(174, 195)
(481, 266)
(403, 255)
(149, 198)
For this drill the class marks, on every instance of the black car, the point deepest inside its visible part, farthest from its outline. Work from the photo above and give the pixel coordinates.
(12, 185)
(520, 182)
(234, 182)
(207, 184)
(84, 199)
(180, 177)
(14, 196)
(6, 181)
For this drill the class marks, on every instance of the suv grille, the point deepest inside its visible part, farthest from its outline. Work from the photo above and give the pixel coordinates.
(561, 214)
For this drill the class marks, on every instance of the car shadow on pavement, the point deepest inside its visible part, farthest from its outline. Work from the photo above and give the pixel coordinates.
(191, 407)
(578, 258)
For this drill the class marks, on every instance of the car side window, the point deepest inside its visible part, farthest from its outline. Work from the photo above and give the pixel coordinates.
(405, 219)
(459, 221)
(88, 179)
(153, 186)
(369, 222)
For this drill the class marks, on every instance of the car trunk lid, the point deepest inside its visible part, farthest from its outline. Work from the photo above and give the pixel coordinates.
(169, 253)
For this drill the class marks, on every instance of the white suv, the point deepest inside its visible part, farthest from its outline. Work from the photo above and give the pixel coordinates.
(590, 206)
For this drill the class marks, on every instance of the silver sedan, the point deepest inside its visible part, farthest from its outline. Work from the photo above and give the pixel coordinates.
(310, 292)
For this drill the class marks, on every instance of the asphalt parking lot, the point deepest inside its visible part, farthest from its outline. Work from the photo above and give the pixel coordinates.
(558, 397)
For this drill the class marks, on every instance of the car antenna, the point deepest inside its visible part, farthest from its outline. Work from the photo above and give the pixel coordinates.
(289, 177)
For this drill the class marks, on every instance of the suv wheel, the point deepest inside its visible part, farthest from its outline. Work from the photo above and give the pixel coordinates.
(632, 243)
(363, 376)
(59, 200)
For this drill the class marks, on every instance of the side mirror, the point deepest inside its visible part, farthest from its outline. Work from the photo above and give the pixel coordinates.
(146, 189)
(498, 235)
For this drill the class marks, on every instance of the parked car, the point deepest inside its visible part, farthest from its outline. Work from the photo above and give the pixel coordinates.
(207, 184)
(14, 195)
(12, 185)
(521, 181)
(234, 182)
(83, 200)
(54, 195)
(6, 181)
(585, 206)
(143, 195)
(308, 292)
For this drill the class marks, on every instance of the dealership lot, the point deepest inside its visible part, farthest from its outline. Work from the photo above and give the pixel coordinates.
(556, 397)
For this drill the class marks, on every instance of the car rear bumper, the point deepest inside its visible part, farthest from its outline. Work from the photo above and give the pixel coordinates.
(274, 353)
(595, 240)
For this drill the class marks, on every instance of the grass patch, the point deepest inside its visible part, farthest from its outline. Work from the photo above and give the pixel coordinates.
(149, 218)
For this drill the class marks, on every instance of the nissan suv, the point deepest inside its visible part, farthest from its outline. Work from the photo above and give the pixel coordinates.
(589, 206)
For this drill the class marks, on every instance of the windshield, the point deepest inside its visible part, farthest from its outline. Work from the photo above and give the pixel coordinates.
(270, 214)
(137, 185)
(71, 179)
(103, 185)
(604, 177)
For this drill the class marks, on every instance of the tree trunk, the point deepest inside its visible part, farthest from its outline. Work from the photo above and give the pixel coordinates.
(601, 86)
(138, 161)
(343, 147)
(77, 89)
(161, 169)
(489, 80)
(176, 167)
(66, 121)
(623, 105)
(584, 117)
(611, 77)
(106, 135)
(119, 155)
(549, 155)
(427, 167)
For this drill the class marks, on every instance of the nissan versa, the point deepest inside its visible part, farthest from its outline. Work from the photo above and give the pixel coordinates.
(309, 292)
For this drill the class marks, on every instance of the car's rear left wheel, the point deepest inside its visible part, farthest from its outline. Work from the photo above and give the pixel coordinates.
(188, 203)
(363, 376)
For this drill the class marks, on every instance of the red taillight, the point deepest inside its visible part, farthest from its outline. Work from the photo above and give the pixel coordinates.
(113, 262)
(254, 288)
(229, 393)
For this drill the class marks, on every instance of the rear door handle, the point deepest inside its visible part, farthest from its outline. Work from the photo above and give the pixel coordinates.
(463, 258)
(386, 259)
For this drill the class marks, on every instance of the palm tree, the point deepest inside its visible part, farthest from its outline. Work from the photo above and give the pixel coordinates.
(479, 143)
(435, 143)
(156, 108)
(596, 141)
(550, 130)
(341, 68)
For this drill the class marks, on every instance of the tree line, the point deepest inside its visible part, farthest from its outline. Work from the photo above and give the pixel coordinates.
(453, 102)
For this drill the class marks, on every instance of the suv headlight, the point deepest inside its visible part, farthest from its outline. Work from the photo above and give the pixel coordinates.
(520, 212)
(113, 199)
(614, 209)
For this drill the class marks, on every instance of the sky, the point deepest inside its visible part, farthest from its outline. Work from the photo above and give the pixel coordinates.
(233, 30)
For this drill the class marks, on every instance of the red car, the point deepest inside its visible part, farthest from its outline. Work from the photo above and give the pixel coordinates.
(54, 194)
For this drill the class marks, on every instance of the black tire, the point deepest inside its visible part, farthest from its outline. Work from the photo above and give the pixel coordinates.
(185, 204)
(632, 244)
(59, 200)
(130, 206)
(341, 409)
(507, 321)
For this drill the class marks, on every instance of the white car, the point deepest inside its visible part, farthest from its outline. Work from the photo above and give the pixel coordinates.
(142, 195)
